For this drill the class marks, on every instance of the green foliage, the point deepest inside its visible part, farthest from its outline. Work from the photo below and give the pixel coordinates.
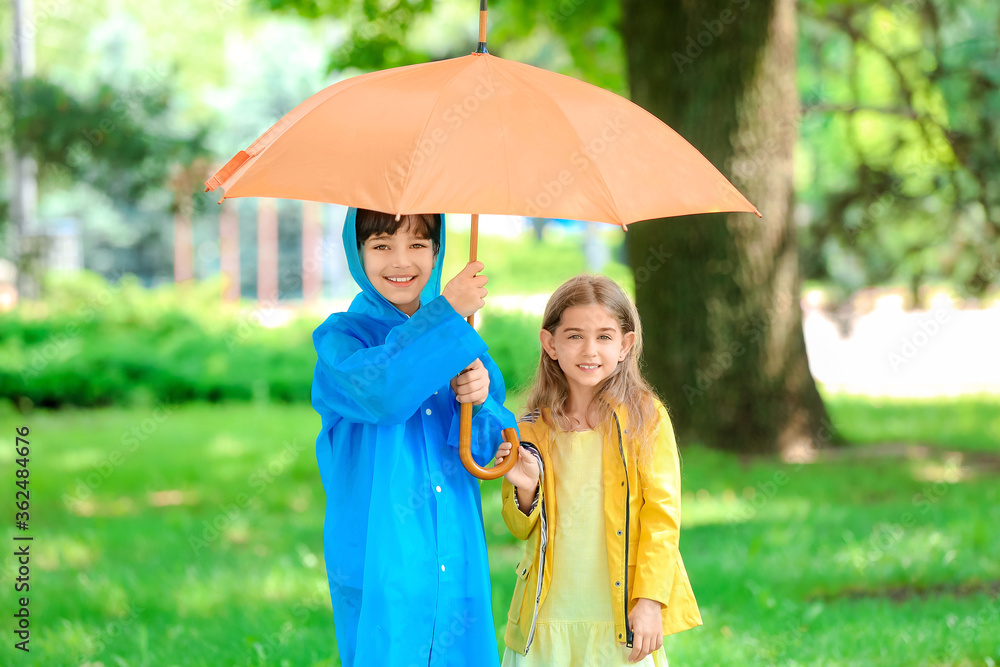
(378, 33)
(899, 149)
(94, 343)
(513, 341)
(582, 38)
(117, 140)
(199, 541)
(569, 36)
(524, 266)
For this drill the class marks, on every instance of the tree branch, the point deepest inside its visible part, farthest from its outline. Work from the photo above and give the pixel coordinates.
(903, 112)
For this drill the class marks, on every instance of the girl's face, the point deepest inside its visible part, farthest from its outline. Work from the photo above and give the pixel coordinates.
(588, 344)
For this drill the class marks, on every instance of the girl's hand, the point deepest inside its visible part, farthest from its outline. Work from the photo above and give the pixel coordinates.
(647, 628)
(472, 385)
(524, 474)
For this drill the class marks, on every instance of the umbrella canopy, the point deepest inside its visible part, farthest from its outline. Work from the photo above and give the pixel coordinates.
(480, 134)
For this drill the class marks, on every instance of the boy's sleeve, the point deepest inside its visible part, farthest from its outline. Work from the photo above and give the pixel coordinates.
(385, 384)
(659, 518)
(488, 420)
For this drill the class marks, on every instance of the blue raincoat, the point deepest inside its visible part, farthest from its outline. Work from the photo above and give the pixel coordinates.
(404, 543)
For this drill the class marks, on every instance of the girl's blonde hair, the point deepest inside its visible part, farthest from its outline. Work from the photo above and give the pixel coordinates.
(625, 387)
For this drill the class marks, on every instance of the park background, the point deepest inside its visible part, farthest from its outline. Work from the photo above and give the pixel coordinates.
(158, 345)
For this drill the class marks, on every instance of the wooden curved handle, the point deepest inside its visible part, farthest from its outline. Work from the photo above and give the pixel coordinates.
(465, 448)
(465, 425)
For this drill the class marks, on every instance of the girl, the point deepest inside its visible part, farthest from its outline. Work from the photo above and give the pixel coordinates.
(596, 494)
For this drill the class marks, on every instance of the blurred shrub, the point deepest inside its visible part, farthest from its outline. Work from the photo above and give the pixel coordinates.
(521, 265)
(93, 343)
(513, 340)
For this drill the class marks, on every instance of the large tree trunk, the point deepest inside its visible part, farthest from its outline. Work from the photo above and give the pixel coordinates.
(724, 327)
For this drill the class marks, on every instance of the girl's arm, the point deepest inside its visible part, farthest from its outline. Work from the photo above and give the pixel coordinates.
(520, 520)
(659, 518)
(522, 491)
(385, 384)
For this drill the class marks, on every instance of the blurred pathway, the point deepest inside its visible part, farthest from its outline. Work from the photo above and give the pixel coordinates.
(892, 352)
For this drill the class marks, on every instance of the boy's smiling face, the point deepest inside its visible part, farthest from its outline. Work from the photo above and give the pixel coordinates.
(399, 266)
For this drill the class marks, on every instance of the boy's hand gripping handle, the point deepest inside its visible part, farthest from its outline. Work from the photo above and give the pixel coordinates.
(465, 424)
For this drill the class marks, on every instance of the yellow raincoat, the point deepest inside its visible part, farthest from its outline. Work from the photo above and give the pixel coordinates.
(642, 513)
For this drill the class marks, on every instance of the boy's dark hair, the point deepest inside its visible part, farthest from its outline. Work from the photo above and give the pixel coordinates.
(373, 223)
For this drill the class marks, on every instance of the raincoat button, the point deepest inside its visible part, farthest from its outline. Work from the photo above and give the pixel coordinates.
(617, 583)
(623, 483)
(442, 568)
(435, 393)
(438, 489)
(428, 411)
(619, 635)
(619, 532)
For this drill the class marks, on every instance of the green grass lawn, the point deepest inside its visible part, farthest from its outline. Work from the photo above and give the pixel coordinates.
(195, 538)
(959, 422)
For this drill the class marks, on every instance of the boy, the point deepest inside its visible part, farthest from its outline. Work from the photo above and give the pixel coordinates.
(403, 539)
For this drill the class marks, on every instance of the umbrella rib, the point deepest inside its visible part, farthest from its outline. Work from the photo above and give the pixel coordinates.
(647, 112)
(607, 191)
(423, 130)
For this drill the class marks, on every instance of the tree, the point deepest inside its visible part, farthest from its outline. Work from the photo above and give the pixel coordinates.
(726, 347)
(119, 142)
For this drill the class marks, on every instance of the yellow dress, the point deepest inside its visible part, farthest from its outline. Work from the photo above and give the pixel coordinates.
(576, 623)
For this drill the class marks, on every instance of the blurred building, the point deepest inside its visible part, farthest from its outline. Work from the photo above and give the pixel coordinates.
(56, 245)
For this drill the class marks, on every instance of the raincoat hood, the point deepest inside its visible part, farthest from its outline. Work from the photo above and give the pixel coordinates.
(371, 301)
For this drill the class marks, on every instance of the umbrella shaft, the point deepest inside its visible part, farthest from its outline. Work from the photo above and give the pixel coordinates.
(474, 248)
(482, 27)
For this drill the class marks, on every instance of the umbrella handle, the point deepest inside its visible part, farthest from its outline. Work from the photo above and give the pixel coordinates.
(465, 423)
(465, 448)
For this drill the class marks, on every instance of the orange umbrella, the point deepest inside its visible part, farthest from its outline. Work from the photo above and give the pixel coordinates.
(480, 134)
